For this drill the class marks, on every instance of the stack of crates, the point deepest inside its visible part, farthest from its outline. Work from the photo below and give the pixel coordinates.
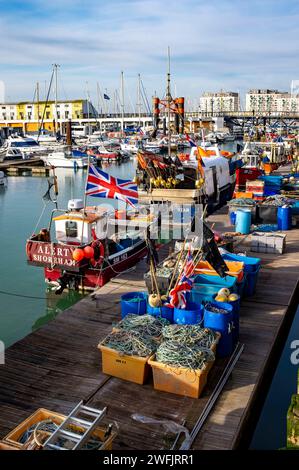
(256, 187)
(268, 242)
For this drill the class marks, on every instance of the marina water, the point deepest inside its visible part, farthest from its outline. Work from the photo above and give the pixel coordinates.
(25, 302)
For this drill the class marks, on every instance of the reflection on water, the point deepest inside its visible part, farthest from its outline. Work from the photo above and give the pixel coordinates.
(24, 302)
(270, 433)
(55, 305)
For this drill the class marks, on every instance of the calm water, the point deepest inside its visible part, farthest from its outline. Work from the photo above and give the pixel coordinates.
(270, 432)
(21, 205)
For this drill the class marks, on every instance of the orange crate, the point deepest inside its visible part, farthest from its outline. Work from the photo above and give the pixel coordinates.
(178, 380)
(235, 268)
(6, 446)
(131, 368)
(13, 437)
(245, 195)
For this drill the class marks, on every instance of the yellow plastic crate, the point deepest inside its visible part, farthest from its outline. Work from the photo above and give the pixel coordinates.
(13, 437)
(179, 380)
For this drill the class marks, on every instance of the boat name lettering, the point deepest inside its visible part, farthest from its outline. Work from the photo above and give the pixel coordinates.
(53, 260)
(50, 250)
(120, 258)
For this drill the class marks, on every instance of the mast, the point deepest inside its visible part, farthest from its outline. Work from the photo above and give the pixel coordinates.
(37, 100)
(139, 100)
(57, 126)
(87, 99)
(122, 101)
(168, 97)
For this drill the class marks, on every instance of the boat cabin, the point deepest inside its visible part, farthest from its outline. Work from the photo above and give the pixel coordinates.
(79, 226)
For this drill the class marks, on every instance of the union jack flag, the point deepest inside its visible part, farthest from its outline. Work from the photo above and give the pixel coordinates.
(100, 184)
(191, 142)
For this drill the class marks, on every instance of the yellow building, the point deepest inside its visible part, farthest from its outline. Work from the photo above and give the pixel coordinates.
(28, 116)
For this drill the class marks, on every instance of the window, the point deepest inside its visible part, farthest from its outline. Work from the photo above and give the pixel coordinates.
(71, 229)
(47, 115)
(67, 114)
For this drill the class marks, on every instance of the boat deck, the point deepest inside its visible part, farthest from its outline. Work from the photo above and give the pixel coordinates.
(59, 364)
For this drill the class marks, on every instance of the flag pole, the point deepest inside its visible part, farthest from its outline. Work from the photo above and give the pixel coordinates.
(85, 198)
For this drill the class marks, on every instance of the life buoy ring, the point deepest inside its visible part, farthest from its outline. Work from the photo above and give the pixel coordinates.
(99, 253)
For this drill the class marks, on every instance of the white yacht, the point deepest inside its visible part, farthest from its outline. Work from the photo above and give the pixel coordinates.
(67, 159)
(43, 136)
(132, 147)
(26, 145)
(7, 154)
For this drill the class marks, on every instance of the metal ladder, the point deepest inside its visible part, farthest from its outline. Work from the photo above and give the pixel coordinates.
(78, 440)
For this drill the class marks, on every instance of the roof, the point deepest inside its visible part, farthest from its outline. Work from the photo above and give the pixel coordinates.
(89, 218)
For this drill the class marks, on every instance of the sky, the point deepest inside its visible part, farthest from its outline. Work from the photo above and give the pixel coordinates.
(232, 45)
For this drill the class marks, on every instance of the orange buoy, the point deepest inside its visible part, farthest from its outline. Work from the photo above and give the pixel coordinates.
(88, 251)
(78, 254)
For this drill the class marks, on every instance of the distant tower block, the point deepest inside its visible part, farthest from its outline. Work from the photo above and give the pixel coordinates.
(2, 91)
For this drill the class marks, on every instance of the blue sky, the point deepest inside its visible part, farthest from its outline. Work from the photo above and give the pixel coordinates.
(228, 44)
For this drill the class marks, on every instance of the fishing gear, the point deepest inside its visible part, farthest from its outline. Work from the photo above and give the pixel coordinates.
(130, 343)
(189, 335)
(175, 354)
(143, 325)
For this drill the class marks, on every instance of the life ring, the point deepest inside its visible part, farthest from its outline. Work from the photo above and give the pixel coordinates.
(99, 253)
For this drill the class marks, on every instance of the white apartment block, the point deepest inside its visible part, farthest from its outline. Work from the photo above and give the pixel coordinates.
(271, 101)
(219, 102)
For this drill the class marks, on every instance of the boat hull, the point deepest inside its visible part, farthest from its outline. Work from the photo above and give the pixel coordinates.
(91, 278)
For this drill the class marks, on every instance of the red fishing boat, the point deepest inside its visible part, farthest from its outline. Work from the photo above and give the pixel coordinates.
(84, 247)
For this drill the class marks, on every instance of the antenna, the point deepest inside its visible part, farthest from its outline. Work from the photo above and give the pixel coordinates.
(122, 101)
(168, 97)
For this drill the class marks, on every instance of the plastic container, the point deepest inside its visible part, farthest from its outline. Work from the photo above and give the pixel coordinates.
(234, 268)
(230, 282)
(232, 217)
(203, 293)
(266, 214)
(223, 323)
(14, 436)
(236, 320)
(251, 281)
(243, 221)
(284, 218)
(132, 368)
(295, 208)
(129, 306)
(164, 312)
(179, 380)
(250, 263)
(191, 315)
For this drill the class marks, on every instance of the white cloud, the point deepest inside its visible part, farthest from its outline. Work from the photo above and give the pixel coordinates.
(216, 45)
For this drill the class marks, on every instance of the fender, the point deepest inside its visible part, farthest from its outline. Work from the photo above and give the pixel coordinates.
(99, 253)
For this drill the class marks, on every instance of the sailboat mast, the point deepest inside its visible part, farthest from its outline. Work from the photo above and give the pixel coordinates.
(87, 100)
(122, 101)
(139, 101)
(168, 103)
(57, 126)
(37, 100)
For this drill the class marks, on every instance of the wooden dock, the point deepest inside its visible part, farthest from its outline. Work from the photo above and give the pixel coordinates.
(59, 364)
(35, 161)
